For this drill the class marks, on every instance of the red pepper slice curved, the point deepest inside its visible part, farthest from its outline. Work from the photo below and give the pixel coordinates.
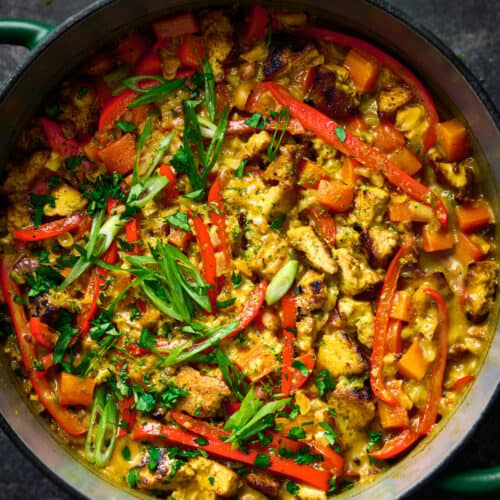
(326, 128)
(219, 221)
(438, 367)
(283, 466)
(42, 333)
(94, 289)
(251, 308)
(69, 421)
(427, 419)
(199, 426)
(237, 127)
(58, 143)
(382, 323)
(462, 382)
(395, 66)
(257, 24)
(207, 256)
(289, 310)
(332, 461)
(51, 229)
(128, 415)
(171, 191)
(396, 445)
(132, 233)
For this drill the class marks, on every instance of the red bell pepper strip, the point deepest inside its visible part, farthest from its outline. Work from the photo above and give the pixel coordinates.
(257, 24)
(42, 334)
(114, 109)
(438, 367)
(207, 256)
(279, 465)
(128, 415)
(298, 378)
(198, 426)
(132, 233)
(326, 129)
(395, 446)
(69, 421)
(175, 26)
(51, 229)
(171, 191)
(149, 64)
(395, 66)
(57, 142)
(251, 309)
(289, 311)
(462, 382)
(332, 461)
(382, 323)
(219, 221)
(94, 289)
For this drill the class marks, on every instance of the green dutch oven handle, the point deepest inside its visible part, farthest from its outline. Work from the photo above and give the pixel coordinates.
(21, 32)
(30, 34)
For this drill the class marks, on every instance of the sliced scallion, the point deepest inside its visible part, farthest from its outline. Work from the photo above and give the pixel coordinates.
(281, 282)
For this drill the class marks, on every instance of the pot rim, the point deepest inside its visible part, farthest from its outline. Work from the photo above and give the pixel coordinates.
(384, 6)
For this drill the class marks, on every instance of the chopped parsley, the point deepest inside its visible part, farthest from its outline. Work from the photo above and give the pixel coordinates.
(83, 91)
(297, 433)
(236, 279)
(105, 186)
(66, 333)
(154, 458)
(134, 312)
(332, 486)
(147, 340)
(330, 434)
(72, 162)
(255, 121)
(126, 453)
(324, 382)
(225, 303)
(292, 488)
(133, 477)
(171, 395)
(211, 480)
(42, 280)
(301, 367)
(53, 182)
(201, 441)
(262, 460)
(374, 439)
(278, 221)
(340, 133)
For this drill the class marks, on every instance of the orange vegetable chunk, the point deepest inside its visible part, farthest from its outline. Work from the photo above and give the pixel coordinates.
(412, 364)
(363, 69)
(334, 195)
(406, 160)
(473, 216)
(436, 241)
(467, 251)
(401, 306)
(119, 156)
(76, 391)
(393, 417)
(387, 138)
(452, 139)
(311, 174)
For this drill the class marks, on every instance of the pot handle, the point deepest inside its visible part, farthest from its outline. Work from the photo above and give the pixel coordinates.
(21, 32)
(473, 482)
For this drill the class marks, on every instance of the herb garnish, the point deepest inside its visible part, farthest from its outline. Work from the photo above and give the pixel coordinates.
(38, 202)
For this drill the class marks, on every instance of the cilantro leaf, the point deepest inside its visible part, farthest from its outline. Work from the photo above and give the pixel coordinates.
(241, 169)
(66, 333)
(147, 340)
(255, 121)
(125, 126)
(301, 367)
(292, 488)
(72, 162)
(297, 433)
(330, 434)
(324, 382)
(262, 460)
(340, 133)
(180, 220)
(236, 279)
(171, 395)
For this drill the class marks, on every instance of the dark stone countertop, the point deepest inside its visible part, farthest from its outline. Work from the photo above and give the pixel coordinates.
(470, 28)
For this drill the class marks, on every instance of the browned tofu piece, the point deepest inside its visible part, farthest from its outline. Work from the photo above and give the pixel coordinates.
(282, 169)
(356, 276)
(205, 393)
(311, 293)
(354, 410)
(304, 238)
(340, 355)
(264, 482)
(390, 100)
(381, 243)
(370, 203)
(458, 175)
(481, 286)
(358, 315)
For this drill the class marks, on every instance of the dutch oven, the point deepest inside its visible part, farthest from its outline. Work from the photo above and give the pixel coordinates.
(56, 52)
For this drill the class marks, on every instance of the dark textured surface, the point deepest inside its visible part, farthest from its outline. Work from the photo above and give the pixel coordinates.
(469, 28)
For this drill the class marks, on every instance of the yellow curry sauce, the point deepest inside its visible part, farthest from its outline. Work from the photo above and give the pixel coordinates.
(244, 257)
